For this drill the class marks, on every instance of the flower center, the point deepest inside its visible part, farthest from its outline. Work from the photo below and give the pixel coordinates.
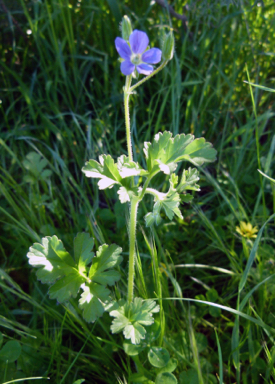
(136, 58)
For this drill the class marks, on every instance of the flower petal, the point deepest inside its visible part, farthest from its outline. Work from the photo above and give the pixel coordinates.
(123, 48)
(152, 56)
(139, 41)
(145, 69)
(127, 67)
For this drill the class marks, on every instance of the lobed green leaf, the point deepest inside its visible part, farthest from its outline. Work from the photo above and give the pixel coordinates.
(66, 275)
(106, 257)
(83, 245)
(52, 259)
(132, 317)
(93, 300)
(169, 201)
(188, 180)
(106, 170)
(129, 168)
(165, 151)
(111, 173)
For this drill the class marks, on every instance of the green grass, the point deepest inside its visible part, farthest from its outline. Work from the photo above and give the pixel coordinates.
(62, 100)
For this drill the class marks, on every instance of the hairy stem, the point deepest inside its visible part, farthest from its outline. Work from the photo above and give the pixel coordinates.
(132, 238)
(135, 201)
(127, 115)
(149, 76)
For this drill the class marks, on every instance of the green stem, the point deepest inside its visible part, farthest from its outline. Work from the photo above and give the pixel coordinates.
(132, 238)
(135, 201)
(146, 184)
(148, 77)
(158, 195)
(127, 115)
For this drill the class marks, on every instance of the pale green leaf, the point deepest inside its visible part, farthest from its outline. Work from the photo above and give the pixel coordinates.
(169, 201)
(129, 168)
(93, 300)
(106, 171)
(188, 180)
(111, 173)
(120, 321)
(165, 152)
(52, 259)
(131, 317)
(107, 256)
(56, 263)
(198, 152)
(125, 194)
(135, 332)
(66, 275)
(167, 168)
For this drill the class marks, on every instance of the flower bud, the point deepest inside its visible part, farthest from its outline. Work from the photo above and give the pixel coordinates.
(168, 46)
(126, 28)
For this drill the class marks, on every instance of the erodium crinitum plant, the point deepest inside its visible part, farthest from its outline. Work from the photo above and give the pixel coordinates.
(89, 276)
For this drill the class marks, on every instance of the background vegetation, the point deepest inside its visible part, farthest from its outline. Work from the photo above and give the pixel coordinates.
(61, 104)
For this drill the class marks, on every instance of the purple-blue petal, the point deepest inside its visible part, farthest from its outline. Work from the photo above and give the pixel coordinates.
(123, 48)
(152, 56)
(127, 67)
(139, 41)
(145, 69)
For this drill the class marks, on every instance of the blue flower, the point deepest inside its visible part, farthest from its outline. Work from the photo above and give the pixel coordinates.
(135, 55)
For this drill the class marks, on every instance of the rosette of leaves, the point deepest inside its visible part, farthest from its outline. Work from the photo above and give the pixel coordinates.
(66, 274)
(130, 318)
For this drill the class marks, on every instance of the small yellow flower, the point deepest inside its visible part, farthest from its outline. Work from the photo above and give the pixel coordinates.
(246, 230)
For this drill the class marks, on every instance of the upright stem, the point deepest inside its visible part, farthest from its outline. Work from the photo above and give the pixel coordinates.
(132, 238)
(127, 115)
(134, 201)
